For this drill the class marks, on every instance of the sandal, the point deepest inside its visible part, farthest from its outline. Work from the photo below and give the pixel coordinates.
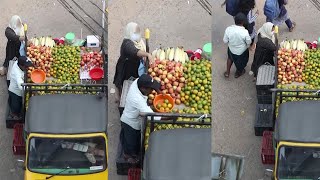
(226, 75)
(293, 26)
(237, 75)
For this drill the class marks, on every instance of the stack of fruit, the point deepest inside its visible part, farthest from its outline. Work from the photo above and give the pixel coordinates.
(90, 60)
(173, 54)
(197, 92)
(312, 70)
(170, 75)
(41, 59)
(43, 41)
(290, 66)
(67, 64)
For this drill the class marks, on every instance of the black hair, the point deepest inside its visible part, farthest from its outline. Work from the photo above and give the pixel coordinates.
(246, 5)
(240, 19)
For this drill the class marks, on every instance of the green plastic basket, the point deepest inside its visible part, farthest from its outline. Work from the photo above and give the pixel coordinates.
(207, 50)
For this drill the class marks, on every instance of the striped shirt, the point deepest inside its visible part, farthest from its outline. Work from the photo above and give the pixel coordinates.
(252, 18)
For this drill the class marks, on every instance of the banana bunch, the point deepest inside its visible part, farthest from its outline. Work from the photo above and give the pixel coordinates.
(43, 41)
(173, 54)
(294, 44)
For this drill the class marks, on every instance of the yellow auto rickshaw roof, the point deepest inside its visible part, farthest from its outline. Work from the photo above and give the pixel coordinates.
(66, 114)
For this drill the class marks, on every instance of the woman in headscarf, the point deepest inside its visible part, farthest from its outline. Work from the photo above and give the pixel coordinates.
(15, 35)
(266, 46)
(132, 52)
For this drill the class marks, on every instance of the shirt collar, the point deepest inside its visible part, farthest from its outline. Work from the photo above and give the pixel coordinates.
(138, 90)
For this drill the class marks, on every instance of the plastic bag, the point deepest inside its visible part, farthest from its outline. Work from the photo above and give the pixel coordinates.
(141, 69)
(22, 50)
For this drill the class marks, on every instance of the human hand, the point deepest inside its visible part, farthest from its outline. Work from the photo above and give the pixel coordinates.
(151, 60)
(257, 12)
(21, 38)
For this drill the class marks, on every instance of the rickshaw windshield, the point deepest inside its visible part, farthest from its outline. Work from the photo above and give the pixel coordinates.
(78, 155)
(298, 163)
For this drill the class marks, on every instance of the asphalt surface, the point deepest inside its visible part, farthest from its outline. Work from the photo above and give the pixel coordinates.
(45, 17)
(172, 23)
(234, 100)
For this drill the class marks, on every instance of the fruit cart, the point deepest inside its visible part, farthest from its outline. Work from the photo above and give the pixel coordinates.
(178, 154)
(61, 134)
(294, 146)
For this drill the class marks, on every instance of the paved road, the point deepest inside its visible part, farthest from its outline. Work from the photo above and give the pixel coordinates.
(45, 17)
(234, 100)
(172, 23)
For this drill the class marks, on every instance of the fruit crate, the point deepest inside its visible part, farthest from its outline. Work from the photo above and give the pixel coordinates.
(267, 150)
(10, 122)
(265, 79)
(18, 145)
(263, 120)
(134, 174)
(122, 165)
(264, 99)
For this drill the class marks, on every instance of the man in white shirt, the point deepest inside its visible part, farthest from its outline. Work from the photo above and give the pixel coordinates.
(131, 121)
(15, 88)
(238, 40)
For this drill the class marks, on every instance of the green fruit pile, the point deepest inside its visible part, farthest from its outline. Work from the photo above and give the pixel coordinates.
(291, 99)
(312, 69)
(66, 64)
(197, 91)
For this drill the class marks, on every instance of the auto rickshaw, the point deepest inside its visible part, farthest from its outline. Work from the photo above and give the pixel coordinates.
(297, 141)
(66, 137)
(178, 154)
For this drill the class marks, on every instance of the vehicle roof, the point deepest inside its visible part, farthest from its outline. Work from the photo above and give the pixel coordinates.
(298, 122)
(178, 154)
(66, 114)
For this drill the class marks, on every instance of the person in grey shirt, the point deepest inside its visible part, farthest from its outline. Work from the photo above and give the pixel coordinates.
(238, 40)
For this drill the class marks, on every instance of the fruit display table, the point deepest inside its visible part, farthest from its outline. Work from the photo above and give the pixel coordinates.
(297, 71)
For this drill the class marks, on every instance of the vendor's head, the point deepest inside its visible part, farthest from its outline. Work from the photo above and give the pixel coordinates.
(240, 19)
(133, 32)
(24, 63)
(146, 84)
(16, 25)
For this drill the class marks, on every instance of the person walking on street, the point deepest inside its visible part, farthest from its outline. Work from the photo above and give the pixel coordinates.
(246, 7)
(283, 16)
(266, 46)
(132, 52)
(15, 88)
(238, 40)
(15, 35)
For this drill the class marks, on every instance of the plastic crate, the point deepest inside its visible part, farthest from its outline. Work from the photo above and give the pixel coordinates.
(18, 145)
(263, 121)
(265, 77)
(264, 99)
(134, 174)
(267, 151)
(122, 165)
(10, 122)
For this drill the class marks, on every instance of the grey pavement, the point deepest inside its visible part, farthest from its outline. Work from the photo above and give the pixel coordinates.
(234, 100)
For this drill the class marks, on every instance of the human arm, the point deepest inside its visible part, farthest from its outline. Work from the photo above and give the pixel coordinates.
(268, 44)
(11, 35)
(248, 39)
(226, 37)
(252, 17)
(144, 108)
(141, 53)
(132, 51)
(20, 81)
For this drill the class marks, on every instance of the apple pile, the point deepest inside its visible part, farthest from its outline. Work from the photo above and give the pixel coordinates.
(170, 75)
(90, 60)
(290, 66)
(41, 58)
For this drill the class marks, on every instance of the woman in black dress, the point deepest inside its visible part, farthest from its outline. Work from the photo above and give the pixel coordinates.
(15, 35)
(132, 52)
(266, 47)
